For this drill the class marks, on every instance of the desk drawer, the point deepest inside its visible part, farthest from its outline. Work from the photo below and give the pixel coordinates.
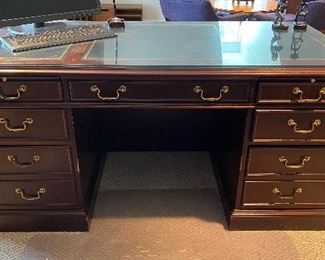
(289, 125)
(42, 160)
(280, 162)
(114, 91)
(284, 194)
(11, 91)
(38, 194)
(295, 92)
(33, 124)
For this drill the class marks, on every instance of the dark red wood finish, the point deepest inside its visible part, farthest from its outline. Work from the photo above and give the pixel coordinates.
(286, 162)
(35, 159)
(29, 90)
(242, 143)
(163, 91)
(57, 194)
(284, 194)
(273, 125)
(292, 92)
(33, 124)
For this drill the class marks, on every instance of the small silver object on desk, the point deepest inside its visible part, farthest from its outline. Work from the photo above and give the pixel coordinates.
(280, 9)
(301, 16)
(116, 22)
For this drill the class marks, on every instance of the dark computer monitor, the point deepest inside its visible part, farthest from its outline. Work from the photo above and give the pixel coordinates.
(18, 12)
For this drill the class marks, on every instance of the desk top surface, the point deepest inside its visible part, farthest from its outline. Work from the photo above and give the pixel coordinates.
(184, 45)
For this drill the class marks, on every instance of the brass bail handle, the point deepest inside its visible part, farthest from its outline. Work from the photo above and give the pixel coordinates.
(6, 122)
(300, 165)
(97, 90)
(291, 196)
(314, 124)
(37, 196)
(224, 90)
(13, 159)
(21, 89)
(298, 91)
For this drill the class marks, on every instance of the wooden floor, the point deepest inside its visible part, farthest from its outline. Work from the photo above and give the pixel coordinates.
(252, 6)
(245, 6)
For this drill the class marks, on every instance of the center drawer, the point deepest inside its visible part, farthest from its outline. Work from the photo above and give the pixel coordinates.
(33, 124)
(15, 160)
(115, 91)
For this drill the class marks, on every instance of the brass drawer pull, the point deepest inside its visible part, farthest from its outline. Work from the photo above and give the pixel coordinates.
(38, 195)
(4, 79)
(298, 91)
(27, 121)
(96, 90)
(21, 89)
(292, 122)
(14, 161)
(223, 90)
(287, 196)
(304, 159)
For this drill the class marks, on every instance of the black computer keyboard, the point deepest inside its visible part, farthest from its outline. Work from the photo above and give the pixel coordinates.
(62, 36)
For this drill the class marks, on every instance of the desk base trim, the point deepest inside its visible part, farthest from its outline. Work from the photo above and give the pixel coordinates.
(13, 221)
(277, 220)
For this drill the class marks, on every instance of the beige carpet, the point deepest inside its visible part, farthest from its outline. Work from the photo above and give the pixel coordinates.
(161, 206)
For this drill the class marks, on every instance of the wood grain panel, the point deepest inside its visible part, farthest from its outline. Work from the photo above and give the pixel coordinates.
(159, 91)
(278, 162)
(30, 91)
(58, 194)
(45, 124)
(288, 92)
(272, 125)
(31, 159)
(291, 194)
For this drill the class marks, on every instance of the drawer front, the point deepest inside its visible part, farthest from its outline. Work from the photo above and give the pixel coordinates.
(33, 124)
(30, 91)
(284, 194)
(35, 160)
(279, 162)
(295, 92)
(38, 194)
(113, 91)
(289, 125)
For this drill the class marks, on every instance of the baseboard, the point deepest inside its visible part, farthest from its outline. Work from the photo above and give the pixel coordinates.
(277, 220)
(30, 220)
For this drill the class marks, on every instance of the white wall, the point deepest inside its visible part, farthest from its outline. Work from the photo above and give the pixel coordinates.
(151, 8)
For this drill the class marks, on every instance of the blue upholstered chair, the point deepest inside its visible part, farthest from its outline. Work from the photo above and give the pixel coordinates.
(196, 10)
(315, 17)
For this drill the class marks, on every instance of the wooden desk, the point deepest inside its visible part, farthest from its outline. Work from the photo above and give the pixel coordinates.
(243, 6)
(257, 108)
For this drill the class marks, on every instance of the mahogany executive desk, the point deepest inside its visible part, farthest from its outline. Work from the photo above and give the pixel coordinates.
(251, 97)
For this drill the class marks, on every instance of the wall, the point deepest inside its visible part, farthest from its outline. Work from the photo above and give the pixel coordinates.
(151, 8)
